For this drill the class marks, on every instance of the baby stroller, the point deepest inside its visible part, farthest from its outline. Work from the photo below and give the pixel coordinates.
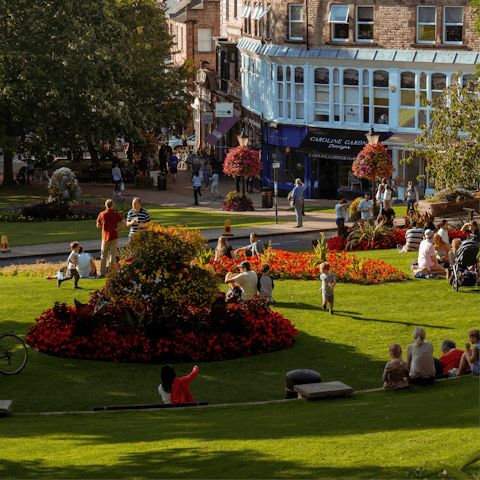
(465, 268)
(21, 176)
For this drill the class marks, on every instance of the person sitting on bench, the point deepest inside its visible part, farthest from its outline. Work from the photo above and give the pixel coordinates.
(174, 389)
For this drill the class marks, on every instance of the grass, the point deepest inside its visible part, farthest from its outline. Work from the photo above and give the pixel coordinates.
(34, 233)
(400, 210)
(342, 438)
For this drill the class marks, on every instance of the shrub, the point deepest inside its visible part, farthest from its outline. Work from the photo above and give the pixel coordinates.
(144, 181)
(354, 213)
(451, 194)
(236, 202)
(367, 233)
(63, 186)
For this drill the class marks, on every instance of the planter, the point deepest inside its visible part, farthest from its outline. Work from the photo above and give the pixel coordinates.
(440, 208)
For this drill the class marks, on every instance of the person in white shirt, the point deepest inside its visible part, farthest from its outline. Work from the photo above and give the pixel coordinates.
(341, 210)
(247, 279)
(197, 186)
(365, 207)
(443, 231)
(214, 185)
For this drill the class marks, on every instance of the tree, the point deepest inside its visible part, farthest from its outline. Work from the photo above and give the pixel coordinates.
(451, 141)
(75, 71)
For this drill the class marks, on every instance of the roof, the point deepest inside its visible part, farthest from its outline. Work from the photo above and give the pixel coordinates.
(413, 56)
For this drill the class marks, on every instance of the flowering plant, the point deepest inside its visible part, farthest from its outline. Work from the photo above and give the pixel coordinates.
(306, 266)
(63, 186)
(234, 202)
(242, 161)
(143, 181)
(354, 213)
(373, 162)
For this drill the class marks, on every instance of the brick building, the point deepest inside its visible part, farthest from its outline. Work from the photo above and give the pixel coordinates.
(316, 75)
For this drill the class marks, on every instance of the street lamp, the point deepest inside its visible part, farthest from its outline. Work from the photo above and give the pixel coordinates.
(243, 142)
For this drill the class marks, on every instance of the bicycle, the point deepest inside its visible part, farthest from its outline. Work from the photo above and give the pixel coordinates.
(13, 354)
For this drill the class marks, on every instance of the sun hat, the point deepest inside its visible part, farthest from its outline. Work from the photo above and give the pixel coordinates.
(429, 233)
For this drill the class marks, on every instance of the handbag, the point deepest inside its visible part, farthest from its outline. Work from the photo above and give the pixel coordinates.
(388, 194)
(122, 186)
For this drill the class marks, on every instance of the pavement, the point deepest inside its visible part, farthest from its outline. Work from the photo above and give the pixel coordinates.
(179, 194)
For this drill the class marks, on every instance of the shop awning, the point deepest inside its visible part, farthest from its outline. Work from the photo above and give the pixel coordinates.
(334, 144)
(400, 140)
(221, 130)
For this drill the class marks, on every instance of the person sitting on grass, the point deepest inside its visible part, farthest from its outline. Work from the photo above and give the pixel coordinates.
(223, 249)
(265, 284)
(174, 389)
(470, 359)
(328, 283)
(427, 260)
(442, 250)
(247, 279)
(255, 248)
(443, 231)
(86, 266)
(395, 371)
(472, 229)
(72, 263)
(451, 355)
(413, 239)
(420, 360)
(388, 214)
(235, 292)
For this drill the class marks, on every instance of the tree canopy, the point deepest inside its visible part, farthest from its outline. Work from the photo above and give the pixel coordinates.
(76, 71)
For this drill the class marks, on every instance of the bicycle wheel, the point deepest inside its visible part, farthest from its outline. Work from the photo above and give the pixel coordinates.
(13, 354)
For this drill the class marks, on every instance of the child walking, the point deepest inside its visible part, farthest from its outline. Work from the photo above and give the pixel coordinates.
(265, 284)
(72, 263)
(328, 282)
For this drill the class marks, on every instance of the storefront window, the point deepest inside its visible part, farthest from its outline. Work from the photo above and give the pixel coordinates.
(294, 166)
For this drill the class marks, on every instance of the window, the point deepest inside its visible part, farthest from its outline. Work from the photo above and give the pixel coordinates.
(380, 97)
(299, 94)
(452, 24)
(321, 78)
(280, 95)
(350, 96)
(365, 24)
(426, 24)
(268, 20)
(247, 10)
(204, 40)
(257, 18)
(338, 18)
(295, 23)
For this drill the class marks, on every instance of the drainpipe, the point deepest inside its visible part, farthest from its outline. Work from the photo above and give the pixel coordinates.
(306, 13)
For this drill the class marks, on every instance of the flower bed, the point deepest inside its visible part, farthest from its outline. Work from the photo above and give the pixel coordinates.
(306, 266)
(235, 202)
(250, 329)
(396, 237)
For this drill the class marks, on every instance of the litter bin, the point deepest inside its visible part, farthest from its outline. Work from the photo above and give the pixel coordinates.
(162, 181)
(267, 198)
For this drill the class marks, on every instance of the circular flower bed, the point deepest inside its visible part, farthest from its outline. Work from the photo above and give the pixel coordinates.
(391, 240)
(306, 266)
(195, 336)
(156, 306)
(236, 202)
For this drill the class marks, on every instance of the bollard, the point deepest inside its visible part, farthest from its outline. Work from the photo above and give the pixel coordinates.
(5, 248)
(227, 231)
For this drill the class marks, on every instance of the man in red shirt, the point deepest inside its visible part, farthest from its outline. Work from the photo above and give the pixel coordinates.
(451, 356)
(108, 221)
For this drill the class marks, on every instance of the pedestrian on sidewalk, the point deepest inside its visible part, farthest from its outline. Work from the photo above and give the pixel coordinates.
(197, 186)
(108, 221)
(173, 160)
(117, 178)
(214, 186)
(297, 198)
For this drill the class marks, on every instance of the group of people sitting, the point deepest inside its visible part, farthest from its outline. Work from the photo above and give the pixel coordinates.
(436, 255)
(223, 249)
(421, 368)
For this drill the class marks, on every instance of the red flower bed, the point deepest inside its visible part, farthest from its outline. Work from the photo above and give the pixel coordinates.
(245, 330)
(391, 240)
(306, 266)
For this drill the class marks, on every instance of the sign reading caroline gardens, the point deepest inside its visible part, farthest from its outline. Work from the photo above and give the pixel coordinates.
(334, 144)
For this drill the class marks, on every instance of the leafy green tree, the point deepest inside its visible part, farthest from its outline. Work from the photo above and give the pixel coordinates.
(451, 141)
(82, 71)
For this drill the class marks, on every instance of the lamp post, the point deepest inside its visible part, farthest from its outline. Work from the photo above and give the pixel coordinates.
(372, 139)
(243, 142)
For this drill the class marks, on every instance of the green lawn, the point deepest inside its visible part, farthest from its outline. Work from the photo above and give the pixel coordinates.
(34, 233)
(400, 210)
(328, 439)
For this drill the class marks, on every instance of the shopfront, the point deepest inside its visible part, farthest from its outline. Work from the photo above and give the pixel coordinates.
(321, 157)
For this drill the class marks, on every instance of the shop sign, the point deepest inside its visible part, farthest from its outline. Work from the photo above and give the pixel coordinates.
(334, 144)
(285, 136)
(224, 109)
(221, 130)
(207, 118)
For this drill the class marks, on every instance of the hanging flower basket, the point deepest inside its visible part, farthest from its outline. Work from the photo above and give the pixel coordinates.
(242, 161)
(373, 162)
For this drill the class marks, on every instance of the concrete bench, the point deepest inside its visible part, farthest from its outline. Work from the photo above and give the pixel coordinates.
(312, 391)
(5, 407)
(148, 405)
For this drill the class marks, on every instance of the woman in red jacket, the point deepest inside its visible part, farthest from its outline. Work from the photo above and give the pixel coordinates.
(174, 389)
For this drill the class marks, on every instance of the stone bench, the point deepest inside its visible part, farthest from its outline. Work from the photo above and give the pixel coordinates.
(5, 407)
(148, 406)
(312, 391)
